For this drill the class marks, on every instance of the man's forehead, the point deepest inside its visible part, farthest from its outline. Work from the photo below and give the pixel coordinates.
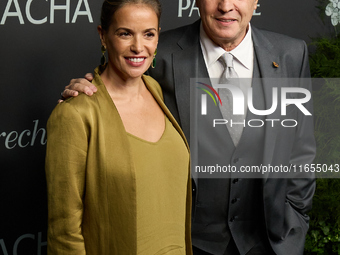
(216, 1)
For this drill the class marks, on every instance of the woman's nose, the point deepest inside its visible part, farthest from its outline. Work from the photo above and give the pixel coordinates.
(137, 45)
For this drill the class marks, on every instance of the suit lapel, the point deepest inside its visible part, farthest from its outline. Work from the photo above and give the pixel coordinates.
(187, 63)
(266, 56)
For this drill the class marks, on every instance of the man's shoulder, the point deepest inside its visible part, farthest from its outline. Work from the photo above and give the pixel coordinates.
(176, 31)
(171, 37)
(276, 39)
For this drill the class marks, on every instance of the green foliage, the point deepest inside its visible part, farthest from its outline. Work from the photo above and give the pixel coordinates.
(324, 233)
(323, 239)
(325, 62)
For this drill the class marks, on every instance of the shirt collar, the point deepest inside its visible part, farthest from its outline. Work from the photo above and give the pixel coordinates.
(212, 52)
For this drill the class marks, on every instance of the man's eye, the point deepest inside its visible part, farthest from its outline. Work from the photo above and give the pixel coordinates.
(124, 34)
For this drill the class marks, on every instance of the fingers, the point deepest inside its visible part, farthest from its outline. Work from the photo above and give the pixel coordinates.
(83, 85)
(89, 76)
(80, 85)
(69, 93)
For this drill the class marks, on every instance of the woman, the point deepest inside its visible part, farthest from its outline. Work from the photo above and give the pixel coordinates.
(117, 163)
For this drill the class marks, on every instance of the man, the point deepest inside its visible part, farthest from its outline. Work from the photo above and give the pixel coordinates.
(239, 215)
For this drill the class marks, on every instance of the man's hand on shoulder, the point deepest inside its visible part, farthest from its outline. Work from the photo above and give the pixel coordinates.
(83, 85)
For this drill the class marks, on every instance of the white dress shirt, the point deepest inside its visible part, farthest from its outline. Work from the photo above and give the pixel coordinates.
(243, 60)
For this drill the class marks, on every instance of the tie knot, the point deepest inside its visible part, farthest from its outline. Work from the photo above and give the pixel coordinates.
(227, 60)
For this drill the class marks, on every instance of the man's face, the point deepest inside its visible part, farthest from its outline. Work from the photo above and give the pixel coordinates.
(226, 21)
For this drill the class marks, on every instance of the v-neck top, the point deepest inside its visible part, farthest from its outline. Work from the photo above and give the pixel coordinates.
(161, 181)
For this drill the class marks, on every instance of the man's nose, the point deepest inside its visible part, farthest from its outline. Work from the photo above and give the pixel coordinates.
(225, 6)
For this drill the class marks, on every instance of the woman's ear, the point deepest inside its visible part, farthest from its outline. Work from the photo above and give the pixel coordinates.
(101, 35)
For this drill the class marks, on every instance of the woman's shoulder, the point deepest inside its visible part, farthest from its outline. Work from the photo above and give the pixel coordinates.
(83, 100)
(81, 106)
(72, 108)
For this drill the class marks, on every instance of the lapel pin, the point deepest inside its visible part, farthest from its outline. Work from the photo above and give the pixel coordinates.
(276, 65)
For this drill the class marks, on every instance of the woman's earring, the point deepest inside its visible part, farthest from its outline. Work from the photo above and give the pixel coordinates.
(153, 64)
(103, 58)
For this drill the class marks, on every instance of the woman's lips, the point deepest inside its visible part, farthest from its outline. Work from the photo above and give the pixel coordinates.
(135, 61)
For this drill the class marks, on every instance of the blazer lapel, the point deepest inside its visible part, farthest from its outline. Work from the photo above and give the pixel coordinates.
(268, 63)
(187, 63)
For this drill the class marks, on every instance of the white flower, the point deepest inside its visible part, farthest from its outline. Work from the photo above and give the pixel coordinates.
(329, 10)
(334, 21)
(333, 10)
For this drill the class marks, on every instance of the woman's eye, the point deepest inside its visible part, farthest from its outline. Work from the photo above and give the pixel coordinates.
(150, 34)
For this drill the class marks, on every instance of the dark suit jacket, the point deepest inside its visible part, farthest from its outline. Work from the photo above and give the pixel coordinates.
(285, 200)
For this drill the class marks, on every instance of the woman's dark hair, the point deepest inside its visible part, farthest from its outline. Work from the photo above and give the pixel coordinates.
(109, 8)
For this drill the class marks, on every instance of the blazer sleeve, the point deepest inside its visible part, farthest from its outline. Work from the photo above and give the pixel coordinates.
(300, 193)
(288, 230)
(65, 172)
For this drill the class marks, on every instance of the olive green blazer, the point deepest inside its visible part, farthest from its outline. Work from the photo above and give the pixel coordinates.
(91, 179)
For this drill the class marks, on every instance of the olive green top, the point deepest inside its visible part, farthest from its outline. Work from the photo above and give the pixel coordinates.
(161, 181)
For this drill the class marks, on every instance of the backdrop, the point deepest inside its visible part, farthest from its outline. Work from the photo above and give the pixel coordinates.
(45, 43)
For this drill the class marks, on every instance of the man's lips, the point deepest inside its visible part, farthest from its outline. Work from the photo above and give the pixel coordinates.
(226, 20)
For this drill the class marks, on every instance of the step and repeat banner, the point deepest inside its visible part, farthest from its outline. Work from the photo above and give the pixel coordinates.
(45, 43)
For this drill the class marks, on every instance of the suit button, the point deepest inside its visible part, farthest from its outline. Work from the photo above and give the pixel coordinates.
(193, 190)
(233, 218)
(236, 160)
(234, 200)
(235, 181)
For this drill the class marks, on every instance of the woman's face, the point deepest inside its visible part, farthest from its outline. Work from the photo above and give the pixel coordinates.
(131, 40)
